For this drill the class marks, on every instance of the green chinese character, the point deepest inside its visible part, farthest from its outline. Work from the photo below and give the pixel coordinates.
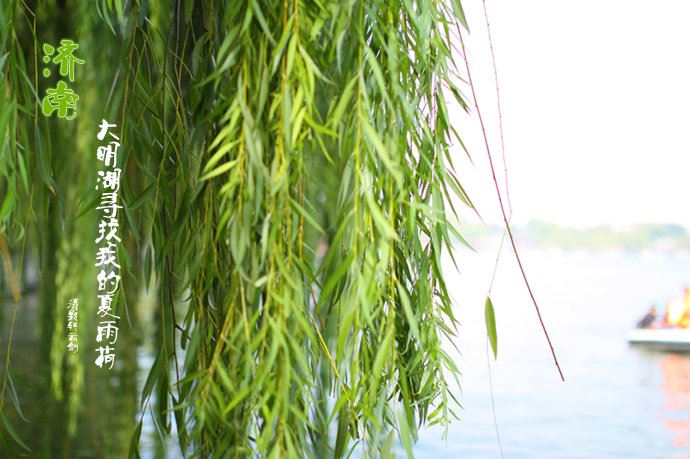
(66, 58)
(61, 99)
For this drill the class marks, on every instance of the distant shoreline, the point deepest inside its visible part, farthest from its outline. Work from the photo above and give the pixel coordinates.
(644, 237)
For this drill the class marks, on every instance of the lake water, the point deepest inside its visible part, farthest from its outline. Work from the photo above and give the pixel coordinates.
(616, 401)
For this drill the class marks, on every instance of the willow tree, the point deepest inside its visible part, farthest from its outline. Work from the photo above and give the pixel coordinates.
(288, 188)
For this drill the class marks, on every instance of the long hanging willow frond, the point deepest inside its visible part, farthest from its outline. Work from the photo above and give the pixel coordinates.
(287, 176)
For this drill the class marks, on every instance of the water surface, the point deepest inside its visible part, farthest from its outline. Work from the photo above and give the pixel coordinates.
(617, 401)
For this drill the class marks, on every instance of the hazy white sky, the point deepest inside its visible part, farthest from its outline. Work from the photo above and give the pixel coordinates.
(596, 110)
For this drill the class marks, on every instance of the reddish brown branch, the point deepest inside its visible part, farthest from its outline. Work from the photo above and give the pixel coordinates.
(503, 211)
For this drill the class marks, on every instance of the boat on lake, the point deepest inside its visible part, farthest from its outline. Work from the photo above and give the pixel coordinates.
(670, 331)
(667, 339)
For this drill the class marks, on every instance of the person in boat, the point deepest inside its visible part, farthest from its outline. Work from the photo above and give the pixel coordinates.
(686, 300)
(678, 312)
(675, 312)
(685, 319)
(649, 320)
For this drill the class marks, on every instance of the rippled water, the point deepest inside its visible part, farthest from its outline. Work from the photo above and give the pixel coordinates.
(617, 401)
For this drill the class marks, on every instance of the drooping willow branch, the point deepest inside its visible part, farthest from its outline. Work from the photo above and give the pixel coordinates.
(289, 189)
(503, 212)
(299, 206)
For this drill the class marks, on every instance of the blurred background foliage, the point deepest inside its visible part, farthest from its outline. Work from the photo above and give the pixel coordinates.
(287, 189)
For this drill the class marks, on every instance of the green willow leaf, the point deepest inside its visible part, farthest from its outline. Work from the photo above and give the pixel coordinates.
(219, 170)
(490, 318)
(13, 434)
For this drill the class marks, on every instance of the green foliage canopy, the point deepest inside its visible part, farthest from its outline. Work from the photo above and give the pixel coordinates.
(288, 186)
